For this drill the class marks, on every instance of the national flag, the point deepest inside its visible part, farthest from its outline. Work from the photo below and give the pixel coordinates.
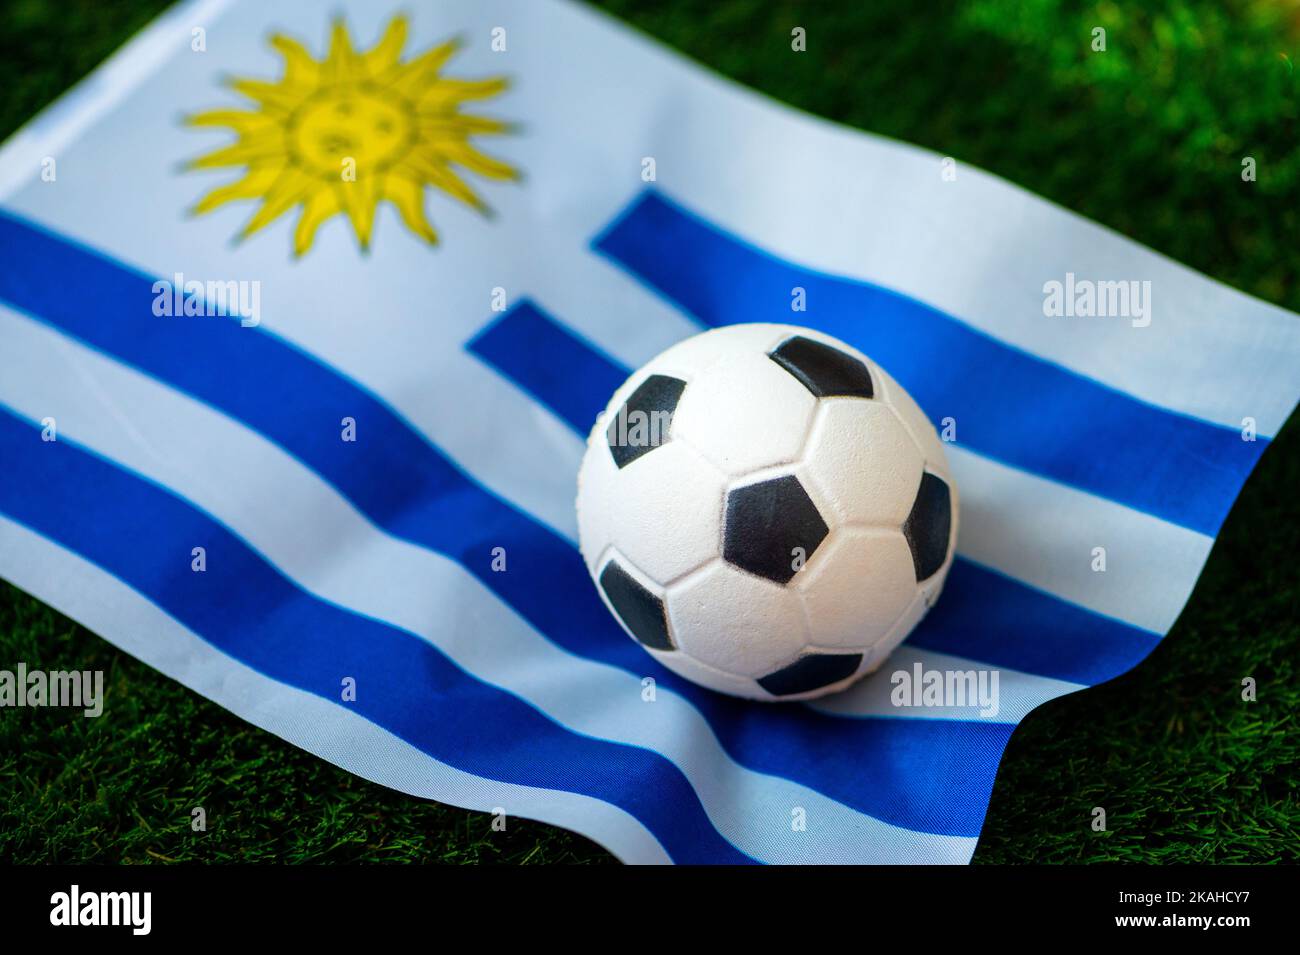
(304, 317)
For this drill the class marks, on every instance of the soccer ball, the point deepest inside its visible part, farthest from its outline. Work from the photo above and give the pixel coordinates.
(766, 511)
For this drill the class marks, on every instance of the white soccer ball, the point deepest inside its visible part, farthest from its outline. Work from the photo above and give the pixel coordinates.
(766, 511)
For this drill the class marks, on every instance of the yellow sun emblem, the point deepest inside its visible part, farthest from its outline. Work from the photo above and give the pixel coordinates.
(342, 134)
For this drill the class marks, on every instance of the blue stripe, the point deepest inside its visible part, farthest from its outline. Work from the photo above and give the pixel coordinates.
(574, 380)
(984, 615)
(406, 486)
(242, 605)
(1009, 405)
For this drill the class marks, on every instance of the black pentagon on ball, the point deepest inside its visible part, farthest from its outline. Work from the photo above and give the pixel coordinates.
(928, 526)
(811, 672)
(765, 522)
(823, 369)
(643, 422)
(640, 610)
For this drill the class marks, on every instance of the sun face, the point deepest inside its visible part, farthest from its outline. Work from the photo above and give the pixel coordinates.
(376, 132)
(342, 134)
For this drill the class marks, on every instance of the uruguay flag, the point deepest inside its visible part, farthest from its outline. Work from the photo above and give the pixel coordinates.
(303, 320)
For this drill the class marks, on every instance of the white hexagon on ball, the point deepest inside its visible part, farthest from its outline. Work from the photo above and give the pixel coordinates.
(766, 511)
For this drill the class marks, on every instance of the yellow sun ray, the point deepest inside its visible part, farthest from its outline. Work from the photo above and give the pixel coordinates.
(409, 78)
(322, 205)
(274, 98)
(407, 196)
(465, 155)
(251, 153)
(244, 123)
(388, 51)
(285, 193)
(343, 65)
(360, 201)
(342, 134)
(253, 185)
(300, 69)
(438, 173)
(460, 125)
(448, 93)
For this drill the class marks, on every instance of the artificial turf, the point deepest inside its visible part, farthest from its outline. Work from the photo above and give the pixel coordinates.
(1147, 138)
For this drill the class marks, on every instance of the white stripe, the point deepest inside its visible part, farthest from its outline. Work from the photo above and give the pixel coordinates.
(1044, 534)
(608, 307)
(1017, 693)
(103, 604)
(316, 538)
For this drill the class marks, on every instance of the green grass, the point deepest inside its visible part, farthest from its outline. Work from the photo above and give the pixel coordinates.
(1147, 138)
